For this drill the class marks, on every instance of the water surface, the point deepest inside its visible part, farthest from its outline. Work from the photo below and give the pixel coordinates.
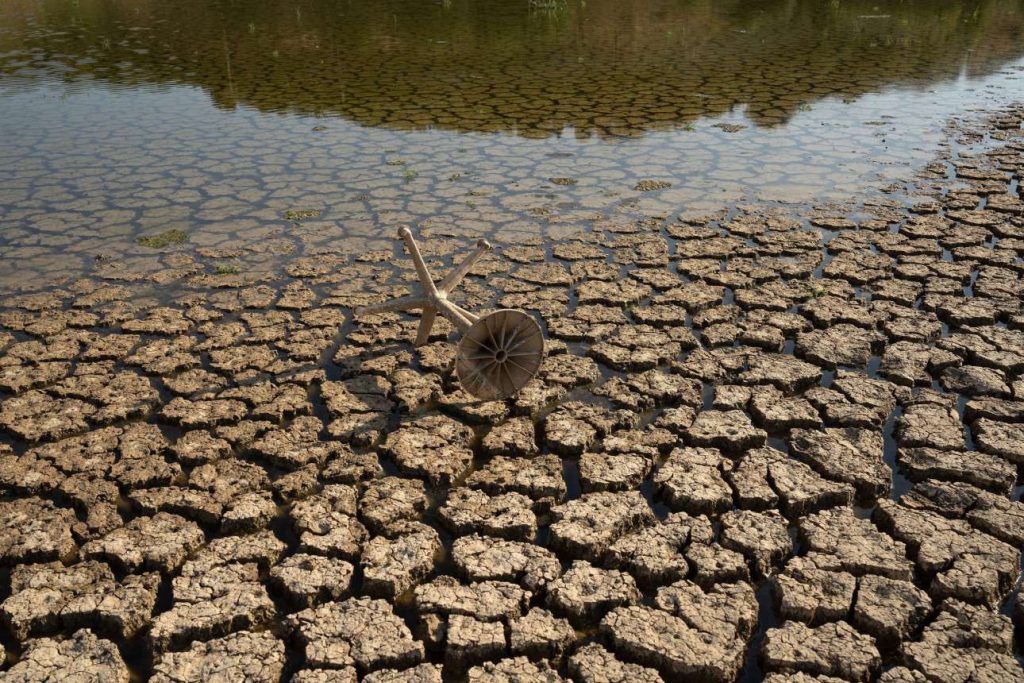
(129, 118)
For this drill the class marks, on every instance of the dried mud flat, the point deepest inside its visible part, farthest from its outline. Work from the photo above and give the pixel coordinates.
(760, 446)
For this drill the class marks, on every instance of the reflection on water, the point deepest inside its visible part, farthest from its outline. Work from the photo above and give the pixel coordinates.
(132, 116)
(606, 66)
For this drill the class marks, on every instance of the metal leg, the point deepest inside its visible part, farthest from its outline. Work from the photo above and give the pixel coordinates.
(471, 317)
(452, 280)
(454, 315)
(421, 268)
(405, 303)
(426, 324)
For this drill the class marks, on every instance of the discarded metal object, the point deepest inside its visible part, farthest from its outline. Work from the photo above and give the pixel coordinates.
(498, 354)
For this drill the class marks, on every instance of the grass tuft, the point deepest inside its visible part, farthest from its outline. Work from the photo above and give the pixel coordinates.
(300, 214)
(164, 239)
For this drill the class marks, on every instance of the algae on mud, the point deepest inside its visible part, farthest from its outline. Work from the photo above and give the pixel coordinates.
(163, 239)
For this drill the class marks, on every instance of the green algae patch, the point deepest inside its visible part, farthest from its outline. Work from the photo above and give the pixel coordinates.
(651, 185)
(301, 214)
(226, 268)
(164, 239)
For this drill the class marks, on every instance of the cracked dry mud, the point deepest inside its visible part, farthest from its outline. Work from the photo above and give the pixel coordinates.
(749, 454)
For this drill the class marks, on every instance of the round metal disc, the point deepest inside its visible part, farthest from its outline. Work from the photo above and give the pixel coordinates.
(499, 354)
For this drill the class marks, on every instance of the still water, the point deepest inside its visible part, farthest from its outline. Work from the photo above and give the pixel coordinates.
(126, 118)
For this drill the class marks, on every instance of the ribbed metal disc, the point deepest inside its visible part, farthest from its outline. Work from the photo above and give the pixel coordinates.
(499, 354)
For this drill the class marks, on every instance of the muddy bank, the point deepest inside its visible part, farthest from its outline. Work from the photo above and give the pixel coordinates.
(762, 444)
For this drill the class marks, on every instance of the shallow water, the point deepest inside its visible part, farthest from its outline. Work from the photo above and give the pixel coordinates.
(124, 119)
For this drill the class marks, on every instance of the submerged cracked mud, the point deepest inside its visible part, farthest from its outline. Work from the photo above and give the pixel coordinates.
(295, 131)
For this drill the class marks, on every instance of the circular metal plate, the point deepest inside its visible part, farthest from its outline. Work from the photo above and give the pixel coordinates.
(499, 354)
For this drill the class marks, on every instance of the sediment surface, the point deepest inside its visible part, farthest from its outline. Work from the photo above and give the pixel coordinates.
(763, 444)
